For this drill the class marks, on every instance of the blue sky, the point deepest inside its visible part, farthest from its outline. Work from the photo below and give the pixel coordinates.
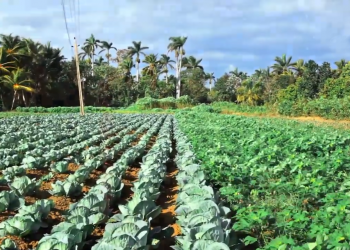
(247, 34)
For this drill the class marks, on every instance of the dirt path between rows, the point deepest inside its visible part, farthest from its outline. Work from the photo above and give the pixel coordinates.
(339, 124)
(62, 203)
(167, 201)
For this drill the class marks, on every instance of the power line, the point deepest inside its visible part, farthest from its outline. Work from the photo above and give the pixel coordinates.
(78, 35)
(65, 20)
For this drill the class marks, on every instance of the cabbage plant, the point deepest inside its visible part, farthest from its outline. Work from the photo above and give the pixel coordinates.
(130, 233)
(39, 210)
(24, 186)
(9, 201)
(67, 188)
(143, 208)
(8, 244)
(59, 167)
(19, 226)
(10, 172)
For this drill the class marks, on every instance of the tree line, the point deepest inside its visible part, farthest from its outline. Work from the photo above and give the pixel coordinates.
(36, 74)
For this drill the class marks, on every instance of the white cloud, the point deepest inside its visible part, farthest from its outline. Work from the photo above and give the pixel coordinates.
(221, 32)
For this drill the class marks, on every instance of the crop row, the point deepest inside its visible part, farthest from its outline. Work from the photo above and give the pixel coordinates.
(204, 221)
(287, 182)
(93, 209)
(131, 229)
(30, 218)
(24, 152)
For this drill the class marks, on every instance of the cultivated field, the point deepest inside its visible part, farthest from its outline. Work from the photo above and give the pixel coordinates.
(105, 182)
(287, 183)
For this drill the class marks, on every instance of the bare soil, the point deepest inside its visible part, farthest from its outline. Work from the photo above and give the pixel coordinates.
(62, 203)
(130, 176)
(167, 200)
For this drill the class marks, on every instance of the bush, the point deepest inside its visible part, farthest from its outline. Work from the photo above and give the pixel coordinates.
(334, 108)
(57, 110)
(206, 108)
(165, 103)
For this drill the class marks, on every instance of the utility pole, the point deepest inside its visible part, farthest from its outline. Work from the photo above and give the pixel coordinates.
(81, 101)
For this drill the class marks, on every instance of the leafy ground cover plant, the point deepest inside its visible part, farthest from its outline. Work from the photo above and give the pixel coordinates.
(287, 182)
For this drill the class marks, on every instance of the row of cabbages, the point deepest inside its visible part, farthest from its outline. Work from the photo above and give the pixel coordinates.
(72, 186)
(29, 222)
(53, 132)
(131, 228)
(94, 208)
(57, 160)
(203, 219)
(21, 186)
(35, 153)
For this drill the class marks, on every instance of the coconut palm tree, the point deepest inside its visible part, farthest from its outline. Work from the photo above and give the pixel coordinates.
(176, 45)
(44, 64)
(5, 64)
(242, 75)
(99, 61)
(192, 63)
(299, 67)
(283, 64)
(17, 80)
(127, 66)
(340, 65)
(87, 52)
(153, 68)
(166, 62)
(92, 44)
(107, 47)
(137, 50)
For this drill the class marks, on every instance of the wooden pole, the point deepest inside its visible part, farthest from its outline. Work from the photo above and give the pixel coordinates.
(81, 101)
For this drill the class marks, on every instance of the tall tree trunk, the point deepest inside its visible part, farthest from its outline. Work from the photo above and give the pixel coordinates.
(24, 99)
(3, 103)
(178, 85)
(108, 56)
(92, 62)
(176, 73)
(210, 85)
(137, 70)
(13, 100)
(166, 78)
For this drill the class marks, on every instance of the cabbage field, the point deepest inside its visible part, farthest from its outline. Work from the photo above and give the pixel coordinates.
(106, 182)
(193, 181)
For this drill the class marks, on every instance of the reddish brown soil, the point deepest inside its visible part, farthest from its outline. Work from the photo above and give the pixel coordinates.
(167, 200)
(62, 203)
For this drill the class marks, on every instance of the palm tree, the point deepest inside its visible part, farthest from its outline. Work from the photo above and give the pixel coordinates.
(136, 49)
(192, 63)
(127, 66)
(242, 75)
(177, 45)
(152, 69)
(211, 78)
(107, 47)
(165, 62)
(92, 44)
(17, 80)
(250, 92)
(44, 64)
(340, 65)
(86, 53)
(99, 61)
(299, 67)
(283, 64)
(5, 64)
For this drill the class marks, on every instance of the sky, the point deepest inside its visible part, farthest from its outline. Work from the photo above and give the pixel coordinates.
(247, 34)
